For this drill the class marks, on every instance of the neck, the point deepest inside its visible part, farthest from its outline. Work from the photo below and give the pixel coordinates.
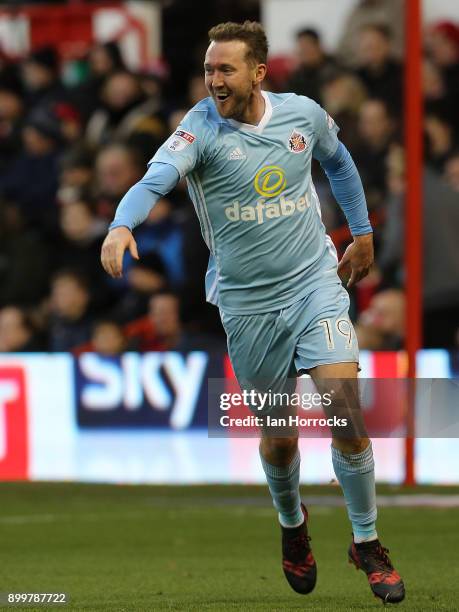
(255, 109)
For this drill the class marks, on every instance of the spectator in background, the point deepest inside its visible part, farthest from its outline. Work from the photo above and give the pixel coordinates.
(124, 110)
(390, 252)
(40, 76)
(103, 60)
(442, 43)
(440, 138)
(78, 247)
(10, 73)
(379, 71)
(173, 252)
(197, 90)
(17, 331)
(342, 96)
(440, 255)
(70, 321)
(164, 314)
(451, 171)
(77, 174)
(436, 97)
(81, 226)
(108, 338)
(118, 167)
(11, 118)
(151, 81)
(196, 312)
(376, 129)
(433, 83)
(70, 119)
(367, 12)
(143, 278)
(440, 261)
(161, 328)
(170, 335)
(161, 234)
(175, 118)
(24, 259)
(382, 325)
(31, 179)
(314, 65)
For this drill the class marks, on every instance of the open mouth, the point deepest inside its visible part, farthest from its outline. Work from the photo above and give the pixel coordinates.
(222, 96)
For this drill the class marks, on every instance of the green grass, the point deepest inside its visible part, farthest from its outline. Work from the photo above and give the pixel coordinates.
(206, 548)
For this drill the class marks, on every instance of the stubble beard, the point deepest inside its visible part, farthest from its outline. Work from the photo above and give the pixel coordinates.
(239, 104)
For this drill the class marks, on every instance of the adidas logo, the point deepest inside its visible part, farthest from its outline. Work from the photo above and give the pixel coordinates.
(237, 154)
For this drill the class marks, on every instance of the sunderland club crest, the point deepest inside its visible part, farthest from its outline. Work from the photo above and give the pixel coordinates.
(297, 142)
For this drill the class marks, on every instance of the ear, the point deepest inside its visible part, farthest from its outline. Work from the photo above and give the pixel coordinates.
(260, 73)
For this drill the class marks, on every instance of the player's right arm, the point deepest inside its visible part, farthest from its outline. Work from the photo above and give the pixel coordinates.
(174, 159)
(133, 209)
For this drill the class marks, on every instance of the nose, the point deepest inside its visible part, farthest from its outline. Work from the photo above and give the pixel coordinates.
(217, 80)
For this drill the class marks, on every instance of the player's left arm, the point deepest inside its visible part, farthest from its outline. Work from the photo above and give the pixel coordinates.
(348, 191)
(347, 188)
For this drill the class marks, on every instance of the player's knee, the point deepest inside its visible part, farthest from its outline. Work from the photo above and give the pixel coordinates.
(351, 446)
(279, 451)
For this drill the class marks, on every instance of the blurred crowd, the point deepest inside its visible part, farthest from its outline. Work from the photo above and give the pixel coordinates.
(361, 86)
(73, 139)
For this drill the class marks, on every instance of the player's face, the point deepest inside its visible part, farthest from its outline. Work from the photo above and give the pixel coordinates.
(230, 79)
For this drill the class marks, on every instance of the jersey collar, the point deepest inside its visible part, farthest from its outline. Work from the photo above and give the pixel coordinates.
(256, 129)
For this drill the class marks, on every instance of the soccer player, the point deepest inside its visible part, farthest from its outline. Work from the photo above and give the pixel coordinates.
(273, 272)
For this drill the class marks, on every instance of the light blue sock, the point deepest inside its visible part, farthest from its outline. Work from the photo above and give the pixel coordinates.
(356, 475)
(284, 486)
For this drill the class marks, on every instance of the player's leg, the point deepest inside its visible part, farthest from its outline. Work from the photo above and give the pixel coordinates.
(352, 456)
(261, 350)
(280, 458)
(353, 462)
(327, 349)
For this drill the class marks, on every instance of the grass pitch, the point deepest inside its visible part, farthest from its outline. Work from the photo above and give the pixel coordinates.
(207, 548)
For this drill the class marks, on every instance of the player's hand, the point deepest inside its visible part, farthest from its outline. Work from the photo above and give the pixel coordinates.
(115, 244)
(358, 258)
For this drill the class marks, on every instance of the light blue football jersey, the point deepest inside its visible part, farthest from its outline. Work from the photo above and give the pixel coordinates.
(253, 193)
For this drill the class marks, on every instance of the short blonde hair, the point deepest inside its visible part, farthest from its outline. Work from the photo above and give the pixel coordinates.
(250, 32)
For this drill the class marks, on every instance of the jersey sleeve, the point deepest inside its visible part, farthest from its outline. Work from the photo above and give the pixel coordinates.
(325, 132)
(184, 149)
